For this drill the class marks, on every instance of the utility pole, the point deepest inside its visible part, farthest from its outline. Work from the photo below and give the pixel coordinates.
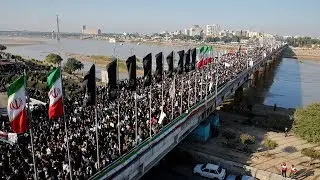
(58, 31)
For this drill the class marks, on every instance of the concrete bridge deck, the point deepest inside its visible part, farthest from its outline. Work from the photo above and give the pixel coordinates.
(142, 158)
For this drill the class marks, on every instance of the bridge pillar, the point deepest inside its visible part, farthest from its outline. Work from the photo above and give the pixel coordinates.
(238, 96)
(261, 71)
(254, 78)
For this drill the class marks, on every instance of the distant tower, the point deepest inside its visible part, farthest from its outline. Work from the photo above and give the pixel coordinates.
(58, 31)
(84, 27)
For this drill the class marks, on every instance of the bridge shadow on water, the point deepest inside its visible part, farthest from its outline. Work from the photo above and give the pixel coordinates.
(249, 117)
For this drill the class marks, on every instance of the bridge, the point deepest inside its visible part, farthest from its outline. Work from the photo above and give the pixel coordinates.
(142, 158)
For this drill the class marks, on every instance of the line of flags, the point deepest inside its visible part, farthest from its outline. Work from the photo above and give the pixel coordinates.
(17, 101)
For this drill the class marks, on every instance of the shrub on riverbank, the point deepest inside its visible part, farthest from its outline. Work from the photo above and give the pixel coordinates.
(307, 123)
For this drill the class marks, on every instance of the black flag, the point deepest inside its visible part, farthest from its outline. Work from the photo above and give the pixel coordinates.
(193, 58)
(159, 67)
(170, 63)
(132, 70)
(112, 74)
(147, 69)
(89, 82)
(180, 62)
(187, 61)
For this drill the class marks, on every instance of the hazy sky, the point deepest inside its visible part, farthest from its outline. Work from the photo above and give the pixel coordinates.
(284, 17)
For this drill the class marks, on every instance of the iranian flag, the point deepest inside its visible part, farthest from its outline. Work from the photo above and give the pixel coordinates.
(17, 106)
(55, 94)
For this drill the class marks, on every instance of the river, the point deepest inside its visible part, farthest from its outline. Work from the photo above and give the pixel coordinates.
(292, 84)
(295, 84)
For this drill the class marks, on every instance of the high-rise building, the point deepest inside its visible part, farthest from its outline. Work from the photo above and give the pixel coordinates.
(213, 30)
(84, 27)
(195, 31)
(187, 32)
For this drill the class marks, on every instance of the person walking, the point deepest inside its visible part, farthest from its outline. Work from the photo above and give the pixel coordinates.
(284, 170)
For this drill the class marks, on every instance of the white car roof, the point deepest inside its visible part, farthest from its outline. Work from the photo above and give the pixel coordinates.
(212, 166)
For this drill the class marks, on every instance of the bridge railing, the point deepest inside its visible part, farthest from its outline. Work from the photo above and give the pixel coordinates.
(126, 159)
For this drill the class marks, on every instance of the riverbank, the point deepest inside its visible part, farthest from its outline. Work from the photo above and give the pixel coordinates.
(103, 61)
(305, 54)
(20, 41)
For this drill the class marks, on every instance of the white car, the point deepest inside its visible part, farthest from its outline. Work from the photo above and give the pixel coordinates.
(239, 177)
(210, 171)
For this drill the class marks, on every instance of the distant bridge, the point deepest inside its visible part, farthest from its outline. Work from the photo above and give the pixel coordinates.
(142, 158)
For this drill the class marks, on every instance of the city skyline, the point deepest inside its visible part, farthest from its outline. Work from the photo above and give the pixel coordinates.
(277, 17)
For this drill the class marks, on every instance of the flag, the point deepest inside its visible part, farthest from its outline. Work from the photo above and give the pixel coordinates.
(170, 63)
(162, 116)
(8, 137)
(180, 62)
(193, 58)
(55, 94)
(132, 70)
(89, 82)
(187, 61)
(159, 67)
(172, 89)
(210, 85)
(200, 63)
(112, 74)
(17, 106)
(147, 69)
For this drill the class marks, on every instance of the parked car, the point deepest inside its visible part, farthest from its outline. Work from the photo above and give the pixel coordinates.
(210, 171)
(239, 177)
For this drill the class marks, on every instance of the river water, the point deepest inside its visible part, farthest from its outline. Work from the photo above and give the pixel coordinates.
(292, 84)
(295, 84)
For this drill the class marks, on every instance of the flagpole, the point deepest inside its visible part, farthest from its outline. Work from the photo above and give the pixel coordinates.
(118, 94)
(181, 96)
(150, 101)
(96, 119)
(136, 116)
(216, 86)
(65, 126)
(189, 90)
(174, 88)
(195, 87)
(30, 128)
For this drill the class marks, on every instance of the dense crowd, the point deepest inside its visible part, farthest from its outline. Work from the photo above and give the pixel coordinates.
(49, 135)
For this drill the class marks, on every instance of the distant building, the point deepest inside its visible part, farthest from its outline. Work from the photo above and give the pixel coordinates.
(213, 30)
(195, 31)
(92, 31)
(84, 27)
(187, 32)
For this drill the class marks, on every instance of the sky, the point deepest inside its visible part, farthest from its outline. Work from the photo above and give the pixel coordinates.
(283, 17)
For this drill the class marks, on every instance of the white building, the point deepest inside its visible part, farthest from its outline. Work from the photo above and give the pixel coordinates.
(195, 31)
(213, 30)
(187, 32)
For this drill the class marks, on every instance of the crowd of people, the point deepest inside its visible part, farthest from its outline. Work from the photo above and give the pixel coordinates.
(115, 139)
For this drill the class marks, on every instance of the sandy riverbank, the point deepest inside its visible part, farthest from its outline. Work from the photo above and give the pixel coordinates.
(20, 41)
(306, 54)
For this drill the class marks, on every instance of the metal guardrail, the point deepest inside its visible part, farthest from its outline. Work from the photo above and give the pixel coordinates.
(163, 130)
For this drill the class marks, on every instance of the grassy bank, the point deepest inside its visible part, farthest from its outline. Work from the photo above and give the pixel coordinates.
(103, 61)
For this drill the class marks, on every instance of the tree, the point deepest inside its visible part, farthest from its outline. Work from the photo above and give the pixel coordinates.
(2, 47)
(53, 58)
(270, 144)
(312, 153)
(307, 123)
(72, 65)
(247, 139)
